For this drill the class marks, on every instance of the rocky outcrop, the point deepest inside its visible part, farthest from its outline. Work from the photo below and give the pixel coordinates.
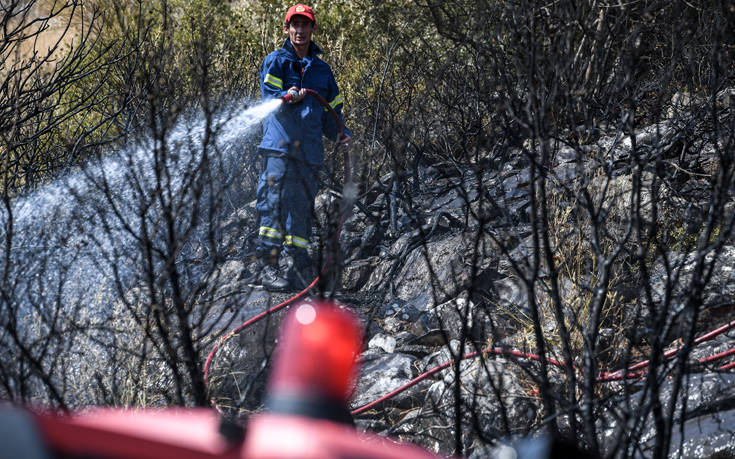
(451, 258)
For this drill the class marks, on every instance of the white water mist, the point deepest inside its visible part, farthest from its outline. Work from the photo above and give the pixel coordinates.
(75, 236)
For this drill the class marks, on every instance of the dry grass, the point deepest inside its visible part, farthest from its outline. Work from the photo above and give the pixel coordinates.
(53, 28)
(578, 276)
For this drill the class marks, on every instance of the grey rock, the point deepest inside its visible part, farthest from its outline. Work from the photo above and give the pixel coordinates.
(512, 296)
(707, 436)
(384, 342)
(709, 420)
(393, 325)
(380, 374)
(414, 350)
(432, 425)
(356, 273)
(402, 310)
(435, 337)
(457, 316)
(239, 373)
(440, 262)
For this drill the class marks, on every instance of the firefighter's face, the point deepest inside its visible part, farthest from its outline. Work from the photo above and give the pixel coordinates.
(299, 30)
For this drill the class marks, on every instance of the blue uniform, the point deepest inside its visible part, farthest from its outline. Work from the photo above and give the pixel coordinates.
(292, 148)
(297, 129)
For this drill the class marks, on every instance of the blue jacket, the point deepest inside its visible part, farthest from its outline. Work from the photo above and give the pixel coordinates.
(297, 129)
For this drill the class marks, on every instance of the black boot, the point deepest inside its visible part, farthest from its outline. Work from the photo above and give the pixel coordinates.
(271, 280)
(264, 271)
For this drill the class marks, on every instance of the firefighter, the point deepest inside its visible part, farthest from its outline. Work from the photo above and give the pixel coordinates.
(292, 152)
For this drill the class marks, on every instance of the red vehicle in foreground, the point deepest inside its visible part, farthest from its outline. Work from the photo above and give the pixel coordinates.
(307, 411)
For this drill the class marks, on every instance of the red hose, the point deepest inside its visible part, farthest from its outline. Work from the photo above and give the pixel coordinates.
(632, 372)
(340, 128)
(670, 353)
(445, 365)
(249, 322)
(719, 356)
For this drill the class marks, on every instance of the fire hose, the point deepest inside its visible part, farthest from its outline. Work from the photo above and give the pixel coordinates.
(638, 370)
(635, 371)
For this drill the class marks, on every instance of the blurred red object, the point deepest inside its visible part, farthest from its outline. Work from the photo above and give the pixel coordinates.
(313, 378)
(116, 433)
(317, 353)
(275, 436)
(314, 374)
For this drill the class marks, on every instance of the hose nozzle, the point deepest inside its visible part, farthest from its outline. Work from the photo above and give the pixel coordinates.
(293, 93)
(290, 96)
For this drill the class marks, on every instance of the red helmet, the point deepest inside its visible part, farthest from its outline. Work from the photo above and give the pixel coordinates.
(301, 10)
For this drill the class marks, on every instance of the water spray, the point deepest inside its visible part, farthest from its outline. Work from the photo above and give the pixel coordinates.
(73, 245)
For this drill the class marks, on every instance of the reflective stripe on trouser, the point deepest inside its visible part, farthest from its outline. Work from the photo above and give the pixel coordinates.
(271, 233)
(295, 241)
(285, 200)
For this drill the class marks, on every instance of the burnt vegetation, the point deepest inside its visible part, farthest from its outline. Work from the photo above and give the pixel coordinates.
(549, 179)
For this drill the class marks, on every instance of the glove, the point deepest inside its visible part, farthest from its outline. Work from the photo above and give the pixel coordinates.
(291, 95)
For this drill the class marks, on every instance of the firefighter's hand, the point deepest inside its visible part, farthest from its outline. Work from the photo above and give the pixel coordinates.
(297, 95)
(345, 142)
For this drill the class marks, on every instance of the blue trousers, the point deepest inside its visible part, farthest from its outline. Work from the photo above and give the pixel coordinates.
(285, 203)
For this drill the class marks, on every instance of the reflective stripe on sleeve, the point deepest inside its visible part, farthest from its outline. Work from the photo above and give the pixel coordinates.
(337, 101)
(274, 81)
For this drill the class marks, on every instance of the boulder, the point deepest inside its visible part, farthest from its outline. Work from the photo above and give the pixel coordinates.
(493, 403)
(380, 374)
